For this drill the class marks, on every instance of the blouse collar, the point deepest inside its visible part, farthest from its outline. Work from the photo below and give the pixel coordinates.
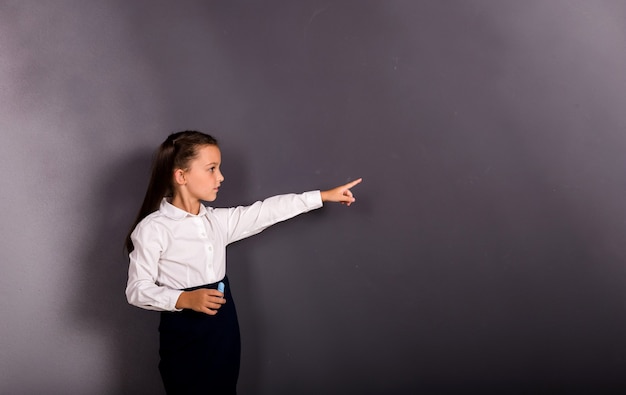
(175, 213)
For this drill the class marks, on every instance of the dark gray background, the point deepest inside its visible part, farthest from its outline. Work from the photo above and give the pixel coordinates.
(485, 252)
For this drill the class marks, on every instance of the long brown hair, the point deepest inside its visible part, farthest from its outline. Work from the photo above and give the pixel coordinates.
(174, 153)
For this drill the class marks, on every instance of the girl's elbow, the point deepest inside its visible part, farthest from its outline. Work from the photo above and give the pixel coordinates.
(132, 295)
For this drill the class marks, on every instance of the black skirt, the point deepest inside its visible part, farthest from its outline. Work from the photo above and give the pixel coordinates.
(200, 353)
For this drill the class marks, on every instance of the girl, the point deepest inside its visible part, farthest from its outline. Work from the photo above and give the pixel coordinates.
(177, 251)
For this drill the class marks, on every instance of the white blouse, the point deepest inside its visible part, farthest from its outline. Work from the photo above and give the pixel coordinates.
(175, 250)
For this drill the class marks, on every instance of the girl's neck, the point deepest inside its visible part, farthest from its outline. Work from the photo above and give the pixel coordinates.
(191, 206)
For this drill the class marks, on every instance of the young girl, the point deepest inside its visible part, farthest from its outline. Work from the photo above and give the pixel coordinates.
(177, 251)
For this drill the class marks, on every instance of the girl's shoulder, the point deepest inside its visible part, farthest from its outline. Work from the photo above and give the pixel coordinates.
(154, 228)
(152, 220)
(151, 217)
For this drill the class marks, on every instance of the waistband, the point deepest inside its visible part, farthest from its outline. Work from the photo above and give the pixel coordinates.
(209, 286)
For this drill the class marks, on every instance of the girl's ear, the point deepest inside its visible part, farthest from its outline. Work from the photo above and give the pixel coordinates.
(179, 177)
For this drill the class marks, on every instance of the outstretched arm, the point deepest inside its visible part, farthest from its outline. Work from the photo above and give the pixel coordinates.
(341, 194)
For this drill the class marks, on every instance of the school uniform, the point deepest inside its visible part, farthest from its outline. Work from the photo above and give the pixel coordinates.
(177, 251)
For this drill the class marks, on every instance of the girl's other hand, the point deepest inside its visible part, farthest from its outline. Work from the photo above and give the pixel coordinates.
(341, 194)
(202, 300)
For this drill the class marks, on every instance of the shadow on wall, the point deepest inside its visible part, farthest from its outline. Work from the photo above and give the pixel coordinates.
(130, 334)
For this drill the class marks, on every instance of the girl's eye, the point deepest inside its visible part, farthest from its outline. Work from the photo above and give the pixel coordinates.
(212, 169)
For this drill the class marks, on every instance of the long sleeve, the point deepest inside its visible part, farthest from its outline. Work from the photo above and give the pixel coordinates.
(242, 222)
(142, 289)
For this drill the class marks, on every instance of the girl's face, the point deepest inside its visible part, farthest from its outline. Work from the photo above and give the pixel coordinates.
(203, 177)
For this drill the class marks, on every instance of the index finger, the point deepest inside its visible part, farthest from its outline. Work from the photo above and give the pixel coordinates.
(353, 183)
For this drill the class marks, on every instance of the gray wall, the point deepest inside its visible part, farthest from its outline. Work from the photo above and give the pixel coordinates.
(485, 252)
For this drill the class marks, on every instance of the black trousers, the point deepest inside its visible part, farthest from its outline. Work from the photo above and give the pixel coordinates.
(200, 353)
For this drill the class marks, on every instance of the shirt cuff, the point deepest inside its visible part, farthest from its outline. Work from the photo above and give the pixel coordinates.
(313, 199)
(172, 296)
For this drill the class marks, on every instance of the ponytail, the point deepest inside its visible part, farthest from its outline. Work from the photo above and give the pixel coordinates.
(174, 153)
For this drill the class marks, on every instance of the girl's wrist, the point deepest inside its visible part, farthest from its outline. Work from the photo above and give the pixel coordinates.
(181, 303)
